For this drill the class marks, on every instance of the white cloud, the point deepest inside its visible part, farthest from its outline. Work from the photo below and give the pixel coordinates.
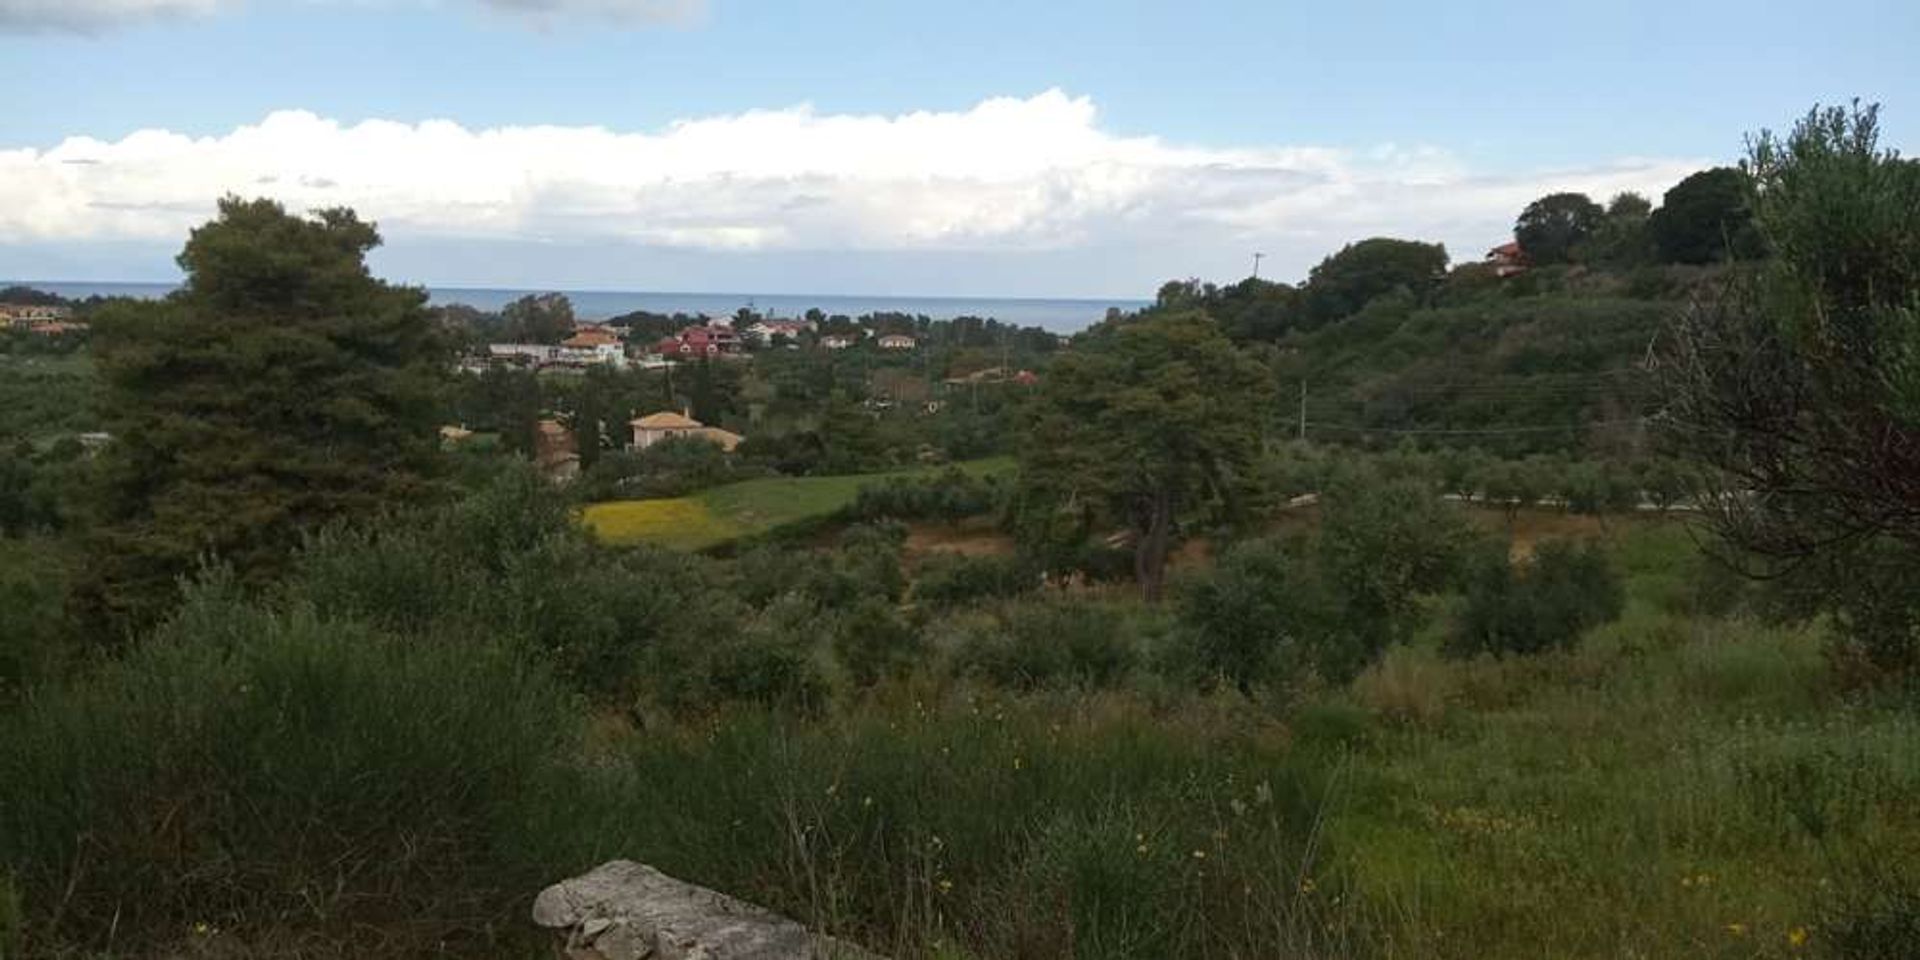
(618, 11)
(94, 16)
(1008, 176)
(87, 16)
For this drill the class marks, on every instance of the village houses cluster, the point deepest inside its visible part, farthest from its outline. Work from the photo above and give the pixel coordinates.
(556, 448)
(594, 344)
(46, 321)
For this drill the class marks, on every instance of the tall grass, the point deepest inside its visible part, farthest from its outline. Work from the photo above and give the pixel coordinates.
(998, 829)
(260, 772)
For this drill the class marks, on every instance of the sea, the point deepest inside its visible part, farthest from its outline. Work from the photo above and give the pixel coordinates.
(1058, 316)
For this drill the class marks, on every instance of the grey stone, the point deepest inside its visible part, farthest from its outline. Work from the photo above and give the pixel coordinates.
(629, 911)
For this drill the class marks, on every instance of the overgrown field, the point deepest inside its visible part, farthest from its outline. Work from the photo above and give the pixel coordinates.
(344, 770)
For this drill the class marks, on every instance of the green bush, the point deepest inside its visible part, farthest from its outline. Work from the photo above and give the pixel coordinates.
(1052, 643)
(257, 770)
(1249, 619)
(34, 636)
(1544, 605)
(951, 580)
(872, 642)
(948, 497)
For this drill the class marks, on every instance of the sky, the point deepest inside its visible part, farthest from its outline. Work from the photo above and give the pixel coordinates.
(1059, 148)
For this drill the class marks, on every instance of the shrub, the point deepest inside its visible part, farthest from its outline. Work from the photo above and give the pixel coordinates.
(872, 642)
(1545, 605)
(950, 580)
(948, 497)
(258, 770)
(1052, 643)
(33, 630)
(770, 663)
(1250, 617)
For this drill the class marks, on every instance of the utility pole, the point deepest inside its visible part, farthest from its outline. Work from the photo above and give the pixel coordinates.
(1303, 411)
(1256, 264)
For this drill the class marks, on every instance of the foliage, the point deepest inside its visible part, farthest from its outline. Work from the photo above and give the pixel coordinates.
(674, 467)
(1046, 642)
(1798, 386)
(1156, 422)
(1272, 611)
(1623, 239)
(35, 641)
(872, 642)
(538, 318)
(1706, 218)
(42, 397)
(949, 580)
(1348, 280)
(1252, 620)
(1545, 605)
(249, 769)
(949, 496)
(283, 387)
(1552, 227)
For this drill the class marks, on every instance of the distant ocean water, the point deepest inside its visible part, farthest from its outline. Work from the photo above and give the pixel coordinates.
(1060, 316)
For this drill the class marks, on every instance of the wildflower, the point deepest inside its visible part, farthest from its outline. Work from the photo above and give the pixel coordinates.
(1797, 937)
(1141, 850)
(832, 788)
(1199, 854)
(1016, 763)
(1307, 885)
(866, 801)
(1239, 809)
(1262, 794)
(946, 886)
(1737, 929)
(202, 928)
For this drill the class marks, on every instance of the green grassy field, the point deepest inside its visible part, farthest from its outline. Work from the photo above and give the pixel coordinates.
(739, 510)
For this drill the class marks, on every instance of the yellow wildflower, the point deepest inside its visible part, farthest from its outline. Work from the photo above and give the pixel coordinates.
(1797, 937)
(1737, 929)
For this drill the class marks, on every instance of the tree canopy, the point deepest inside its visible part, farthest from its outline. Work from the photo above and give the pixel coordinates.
(1146, 423)
(1551, 227)
(281, 388)
(539, 318)
(1706, 218)
(1347, 280)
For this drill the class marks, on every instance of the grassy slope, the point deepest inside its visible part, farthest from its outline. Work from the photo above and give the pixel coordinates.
(1674, 787)
(750, 508)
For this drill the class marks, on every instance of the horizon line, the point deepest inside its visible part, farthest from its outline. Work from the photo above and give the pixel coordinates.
(457, 287)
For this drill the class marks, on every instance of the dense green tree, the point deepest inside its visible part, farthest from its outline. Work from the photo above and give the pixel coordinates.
(1706, 218)
(1344, 282)
(1156, 421)
(281, 388)
(1550, 228)
(1799, 386)
(539, 318)
(1623, 238)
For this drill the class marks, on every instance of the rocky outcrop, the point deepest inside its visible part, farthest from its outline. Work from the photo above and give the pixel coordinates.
(629, 911)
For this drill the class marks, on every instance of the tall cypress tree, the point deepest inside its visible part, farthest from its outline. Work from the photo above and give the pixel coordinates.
(281, 388)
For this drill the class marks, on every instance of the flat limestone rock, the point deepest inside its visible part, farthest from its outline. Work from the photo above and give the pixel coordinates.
(629, 911)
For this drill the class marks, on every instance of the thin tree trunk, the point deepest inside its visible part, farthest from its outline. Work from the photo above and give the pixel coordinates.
(1150, 554)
